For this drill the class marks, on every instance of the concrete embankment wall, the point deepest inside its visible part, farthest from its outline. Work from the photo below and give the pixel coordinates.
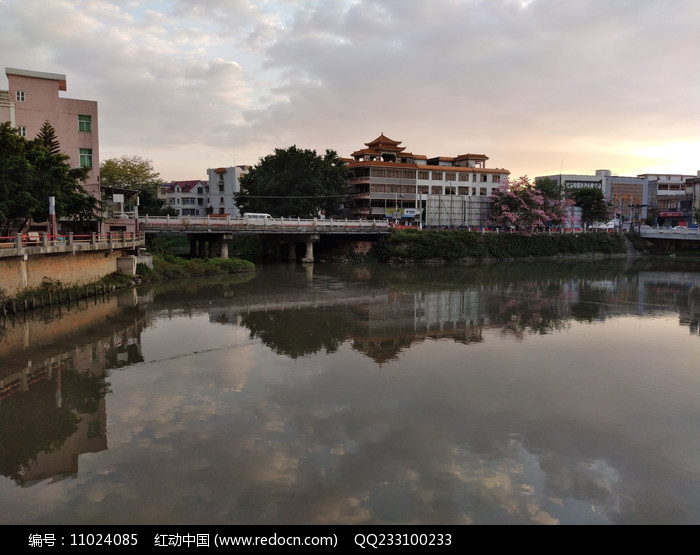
(18, 274)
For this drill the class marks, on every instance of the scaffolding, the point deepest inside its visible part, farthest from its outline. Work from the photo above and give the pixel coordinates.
(456, 211)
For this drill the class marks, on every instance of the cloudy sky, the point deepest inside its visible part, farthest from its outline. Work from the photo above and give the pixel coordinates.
(539, 86)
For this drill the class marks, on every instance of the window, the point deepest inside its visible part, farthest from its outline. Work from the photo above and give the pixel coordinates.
(22, 130)
(86, 158)
(436, 176)
(422, 174)
(85, 124)
(450, 176)
(93, 430)
(19, 96)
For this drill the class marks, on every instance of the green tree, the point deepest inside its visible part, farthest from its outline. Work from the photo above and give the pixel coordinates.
(17, 201)
(136, 174)
(47, 137)
(31, 172)
(294, 183)
(549, 188)
(592, 203)
(554, 199)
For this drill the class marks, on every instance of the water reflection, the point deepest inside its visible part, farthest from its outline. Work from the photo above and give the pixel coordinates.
(53, 406)
(506, 393)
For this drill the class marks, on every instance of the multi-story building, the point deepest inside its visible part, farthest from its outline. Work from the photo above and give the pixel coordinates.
(387, 182)
(667, 196)
(188, 198)
(224, 183)
(33, 98)
(675, 197)
(215, 196)
(629, 197)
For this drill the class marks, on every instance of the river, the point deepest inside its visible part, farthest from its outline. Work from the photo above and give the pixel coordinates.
(506, 393)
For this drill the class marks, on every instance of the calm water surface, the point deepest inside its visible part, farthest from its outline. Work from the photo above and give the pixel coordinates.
(518, 393)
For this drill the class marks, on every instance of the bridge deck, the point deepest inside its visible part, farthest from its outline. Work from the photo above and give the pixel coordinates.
(227, 224)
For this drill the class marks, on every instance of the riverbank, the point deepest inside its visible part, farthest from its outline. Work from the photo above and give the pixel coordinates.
(448, 246)
(165, 266)
(402, 247)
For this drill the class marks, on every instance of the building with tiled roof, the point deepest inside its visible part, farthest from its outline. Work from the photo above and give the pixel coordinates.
(188, 198)
(387, 182)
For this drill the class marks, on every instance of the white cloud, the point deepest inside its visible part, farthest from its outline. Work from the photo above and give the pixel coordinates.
(523, 82)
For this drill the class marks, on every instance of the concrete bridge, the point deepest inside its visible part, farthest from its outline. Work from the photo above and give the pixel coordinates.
(217, 230)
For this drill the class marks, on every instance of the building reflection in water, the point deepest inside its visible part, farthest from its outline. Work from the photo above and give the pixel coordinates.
(55, 365)
(52, 399)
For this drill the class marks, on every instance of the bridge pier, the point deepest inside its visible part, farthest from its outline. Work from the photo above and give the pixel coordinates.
(309, 256)
(292, 251)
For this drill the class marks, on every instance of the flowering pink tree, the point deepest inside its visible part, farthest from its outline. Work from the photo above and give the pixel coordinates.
(520, 204)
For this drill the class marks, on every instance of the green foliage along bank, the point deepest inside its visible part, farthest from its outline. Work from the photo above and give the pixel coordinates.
(459, 245)
(169, 266)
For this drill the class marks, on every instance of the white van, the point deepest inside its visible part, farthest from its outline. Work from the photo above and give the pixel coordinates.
(257, 216)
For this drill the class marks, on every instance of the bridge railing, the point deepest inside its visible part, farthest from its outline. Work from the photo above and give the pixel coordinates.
(44, 243)
(257, 224)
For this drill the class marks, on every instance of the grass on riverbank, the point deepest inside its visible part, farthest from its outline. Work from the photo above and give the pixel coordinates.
(169, 266)
(455, 246)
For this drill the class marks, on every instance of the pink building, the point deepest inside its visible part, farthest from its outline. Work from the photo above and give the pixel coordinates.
(33, 98)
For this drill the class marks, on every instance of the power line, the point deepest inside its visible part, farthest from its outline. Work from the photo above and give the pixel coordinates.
(289, 196)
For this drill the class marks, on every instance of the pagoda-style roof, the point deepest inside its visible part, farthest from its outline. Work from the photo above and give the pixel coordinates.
(384, 143)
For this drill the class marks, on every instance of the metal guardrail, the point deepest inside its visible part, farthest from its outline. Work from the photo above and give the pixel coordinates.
(43, 243)
(271, 225)
(685, 233)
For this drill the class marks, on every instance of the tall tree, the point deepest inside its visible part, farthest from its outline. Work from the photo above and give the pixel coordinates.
(47, 137)
(137, 174)
(295, 183)
(592, 203)
(17, 201)
(30, 173)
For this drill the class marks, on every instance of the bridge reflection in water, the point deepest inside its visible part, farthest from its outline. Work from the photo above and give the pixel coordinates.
(58, 386)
